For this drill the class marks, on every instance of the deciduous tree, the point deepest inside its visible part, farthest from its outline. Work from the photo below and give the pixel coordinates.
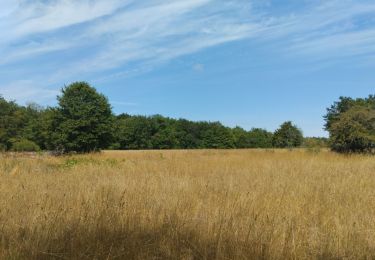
(83, 120)
(351, 125)
(287, 136)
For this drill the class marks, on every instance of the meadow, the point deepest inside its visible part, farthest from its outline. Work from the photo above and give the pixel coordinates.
(204, 204)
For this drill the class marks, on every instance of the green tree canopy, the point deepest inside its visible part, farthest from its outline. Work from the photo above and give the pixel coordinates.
(12, 121)
(215, 136)
(83, 120)
(354, 131)
(287, 136)
(351, 125)
(259, 138)
(315, 142)
(255, 138)
(343, 105)
(240, 137)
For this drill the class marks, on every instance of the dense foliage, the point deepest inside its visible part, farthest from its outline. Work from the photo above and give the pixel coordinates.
(24, 145)
(287, 136)
(11, 122)
(351, 124)
(315, 142)
(19, 124)
(83, 122)
(158, 132)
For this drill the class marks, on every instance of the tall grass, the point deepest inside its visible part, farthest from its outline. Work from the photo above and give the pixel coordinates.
(249, 204)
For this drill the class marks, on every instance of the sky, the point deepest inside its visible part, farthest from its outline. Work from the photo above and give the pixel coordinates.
(248, 63)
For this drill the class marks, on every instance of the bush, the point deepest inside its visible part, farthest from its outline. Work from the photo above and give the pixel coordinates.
(315, 142)
(24, 145)
(3, 148)
(354, 131)
(287, 136)
(351, 125)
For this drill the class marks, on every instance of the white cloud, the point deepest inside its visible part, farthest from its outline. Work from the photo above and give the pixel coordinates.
(131, 30)
(24, 91)
(7, 7)
(343, 44)
(32, 49)
(133, 36)
(332, 26)
(33, 17)
(155, 32)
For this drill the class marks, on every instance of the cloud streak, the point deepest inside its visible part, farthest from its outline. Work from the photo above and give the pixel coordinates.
(25, 91)
(89, 38)
(33, 17)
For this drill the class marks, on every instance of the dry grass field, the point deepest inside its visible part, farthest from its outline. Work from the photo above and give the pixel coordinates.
(249, 204)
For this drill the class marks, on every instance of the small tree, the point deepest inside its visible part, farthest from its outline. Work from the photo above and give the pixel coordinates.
(83, 120)
(343, 105)
(12, 120)
(240, 137)
(315, 142)
(24, 145)
(351, 125)
(354, 131)
(259, 138)
(287, 136)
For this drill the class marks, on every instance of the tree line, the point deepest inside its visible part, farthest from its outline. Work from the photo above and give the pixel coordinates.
(83, 121)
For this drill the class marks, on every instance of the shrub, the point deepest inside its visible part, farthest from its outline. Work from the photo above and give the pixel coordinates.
(24, 145)
(287, 136)
(354, 131)
(3, 147)
(351, 125)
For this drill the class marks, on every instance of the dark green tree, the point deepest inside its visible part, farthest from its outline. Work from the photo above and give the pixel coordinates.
(134, 132)
(255, 138)
(83, 121)
(287, 136)
(215, 136)
(343, 105)
(354, 131)
(259, 138)
(188, 134)
(240, 138)
(165, 134)
(12, 121)
(350, 123)
(315, 142)
(35, 128)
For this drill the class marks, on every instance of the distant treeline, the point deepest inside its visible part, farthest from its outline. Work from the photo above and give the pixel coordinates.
(158, 132)
(83, 121)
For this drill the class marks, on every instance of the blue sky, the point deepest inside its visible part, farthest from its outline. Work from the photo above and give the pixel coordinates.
(252, 63)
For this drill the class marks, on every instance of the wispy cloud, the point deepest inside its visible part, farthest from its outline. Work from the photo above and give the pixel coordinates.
(345, 44)
(33, 17)
(92, 38)
(159, 32)
(334, 29)
(117, 32)
(25, 91)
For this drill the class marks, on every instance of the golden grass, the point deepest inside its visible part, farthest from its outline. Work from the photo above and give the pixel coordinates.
(249, 204)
